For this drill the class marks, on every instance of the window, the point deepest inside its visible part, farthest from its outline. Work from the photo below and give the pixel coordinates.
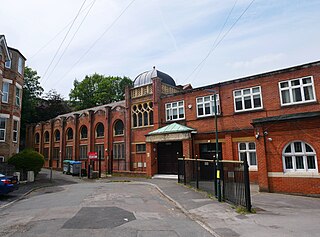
(68, 155)
(247, 150)
(20, 65)
(69, 134)
(83, 152)
(83, 132)
(100, 130)
(1, 159)
(99, 148)
(15, 131)
(18, 92)
(297, 91)
(37, 138)
(3, 129)
(247, 99)
(8, 63)
(57, 135)
(5, 91)
(175, 110)
(141, 148)
(56, 153)
(46, 137)
(205, 105)
(118, 128)
(142, 114)
(299, 156)
(118, 151)
(46, 153)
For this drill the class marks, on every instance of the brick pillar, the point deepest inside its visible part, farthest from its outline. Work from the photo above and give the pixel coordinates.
(151, 159)
(51, 140)
(91, 132)
(62, 140)
(262, 164)
(76, 137)
(156, 102)
(187, 148)
(108, 138)
(227, 151)
(127, 128)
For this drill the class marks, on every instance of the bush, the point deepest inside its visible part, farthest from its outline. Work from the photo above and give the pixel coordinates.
(27, 160)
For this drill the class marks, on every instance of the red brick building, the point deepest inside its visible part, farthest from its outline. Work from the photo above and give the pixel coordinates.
(11, 81)
(270, 119)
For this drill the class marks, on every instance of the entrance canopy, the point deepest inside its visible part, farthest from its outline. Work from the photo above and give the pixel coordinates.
(171, 132)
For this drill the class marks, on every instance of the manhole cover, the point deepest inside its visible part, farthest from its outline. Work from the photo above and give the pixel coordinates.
(99, 218)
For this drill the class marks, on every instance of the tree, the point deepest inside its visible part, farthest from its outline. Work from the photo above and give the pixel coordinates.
(32, 91)
(97, 90)
(51, 105)
(27, 160)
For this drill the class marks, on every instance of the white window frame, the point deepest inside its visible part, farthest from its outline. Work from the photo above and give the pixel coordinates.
(211, 105)
(170, 108)
(18, 96)
(301, 86)
(251, 95)
(3, 129)
(5, 93)
(304, 154)
(8, 63)
(248, 151)
(20, 65)
(15, 132)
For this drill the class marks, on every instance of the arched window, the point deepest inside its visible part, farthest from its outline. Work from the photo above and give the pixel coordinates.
(299, 156)
(46, 136)
(118, 128)
(57, 135)
(69, 134)
(99, 130)
(83, 132)
(142, 114)
(37, 138)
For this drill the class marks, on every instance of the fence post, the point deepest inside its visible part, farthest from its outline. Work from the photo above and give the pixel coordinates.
(247, 185)
(178, 167)
(184, 171)
(197, 172)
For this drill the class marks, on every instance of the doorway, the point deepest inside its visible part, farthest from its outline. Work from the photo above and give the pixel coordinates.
(207, 152)
(167, 157)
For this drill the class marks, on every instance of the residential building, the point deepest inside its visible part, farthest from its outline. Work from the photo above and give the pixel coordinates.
(270, 119)
(11, 83)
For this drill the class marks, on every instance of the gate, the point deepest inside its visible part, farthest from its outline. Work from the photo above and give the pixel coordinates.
(232, 184)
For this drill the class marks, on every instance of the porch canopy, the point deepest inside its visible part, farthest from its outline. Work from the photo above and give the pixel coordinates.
(171, 132)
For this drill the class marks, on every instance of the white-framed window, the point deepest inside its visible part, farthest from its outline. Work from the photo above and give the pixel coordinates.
(247, 99)
(175, 110)
(20, 65)
(8, 63)
(205, 105)
(297, 91)
(118, 151)
(3, 122)
(299, 156)
(15, 130)
(5, 91)
(18, 94)
(247, 150)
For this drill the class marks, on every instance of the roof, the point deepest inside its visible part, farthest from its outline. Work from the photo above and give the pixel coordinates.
(171, 128)
(286, 117)
(4, 43)
(100, 107)
(17, 52)
(146, 78)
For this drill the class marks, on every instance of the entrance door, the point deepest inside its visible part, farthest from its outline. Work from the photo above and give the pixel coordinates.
(167, 157)
(207, 151)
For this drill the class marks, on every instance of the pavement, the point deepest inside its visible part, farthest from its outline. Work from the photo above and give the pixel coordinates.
(276, 214)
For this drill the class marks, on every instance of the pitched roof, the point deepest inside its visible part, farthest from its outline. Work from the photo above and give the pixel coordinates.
(171, 128)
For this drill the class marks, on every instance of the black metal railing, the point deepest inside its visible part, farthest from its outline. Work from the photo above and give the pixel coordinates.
(205, 175)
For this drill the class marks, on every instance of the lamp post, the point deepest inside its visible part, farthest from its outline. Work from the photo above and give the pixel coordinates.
(218, 159)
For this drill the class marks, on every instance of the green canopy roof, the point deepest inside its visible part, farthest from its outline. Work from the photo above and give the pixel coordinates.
(172, 128)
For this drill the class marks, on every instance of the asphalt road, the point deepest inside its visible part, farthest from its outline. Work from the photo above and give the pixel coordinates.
(97, 209)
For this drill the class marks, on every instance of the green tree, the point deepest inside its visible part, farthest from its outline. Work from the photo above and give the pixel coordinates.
(32, 92)
(97, 90)
(27, 160)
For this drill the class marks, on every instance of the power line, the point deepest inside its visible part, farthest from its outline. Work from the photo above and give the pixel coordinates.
(54, 37)
(222, 38)
(64, 39)
(97, 40)
(65, 49)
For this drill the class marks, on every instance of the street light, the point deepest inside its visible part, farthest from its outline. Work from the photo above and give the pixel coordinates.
(218, 164)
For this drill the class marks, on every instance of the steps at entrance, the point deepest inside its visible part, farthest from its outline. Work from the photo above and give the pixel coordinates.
(165, 176)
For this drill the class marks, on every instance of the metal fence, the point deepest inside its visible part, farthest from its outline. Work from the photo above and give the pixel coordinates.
(231, 184)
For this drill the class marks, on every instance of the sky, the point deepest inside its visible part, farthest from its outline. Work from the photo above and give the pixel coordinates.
(198, 42)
